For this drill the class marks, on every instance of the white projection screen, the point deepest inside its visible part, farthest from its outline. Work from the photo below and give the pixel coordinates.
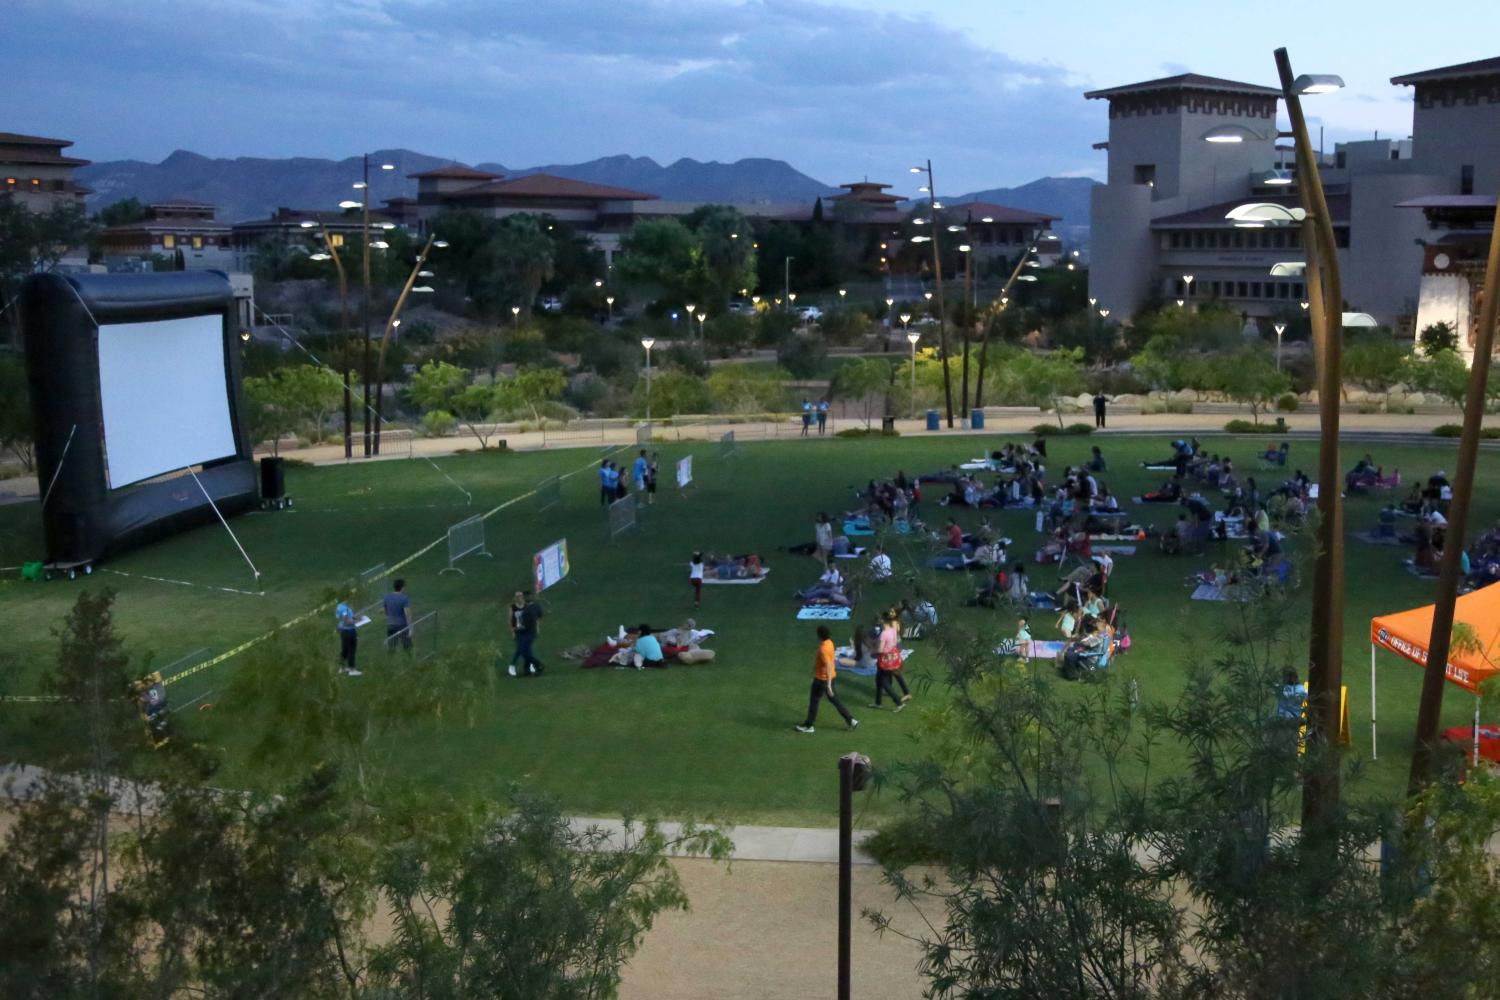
(164, 396)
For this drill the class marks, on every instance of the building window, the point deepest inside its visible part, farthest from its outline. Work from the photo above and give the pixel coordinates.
(1294, 239)
(1466, 179)
(1145, 173)
(1341, 238)
(1181, 289)
(1299, 290)
(1174, 240)
(1197, 241)
(36, 182)
(197, 243)
(168, 241)
(1283, 290)
(337, 239)
(1255, 289)
(1242, 290)
(1340, 160)
(1278, 240)
(1239, 239)
(10, 182)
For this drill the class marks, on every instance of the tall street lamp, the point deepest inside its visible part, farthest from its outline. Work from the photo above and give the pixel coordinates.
(418, 271)
(702, 319)
(1280, 328)
(1320, 792)
(648, 343)
(937, 265)
(331, 252)
(364, 206)
(786, 278)
(1022, 262)
(515, 319)
(912, 338)
(889, 305)
(609, 301)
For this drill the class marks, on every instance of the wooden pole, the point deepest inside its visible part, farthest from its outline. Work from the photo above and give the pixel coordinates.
(389, 335)
(1434, 678)
(338, 266)
(995, 310)
(1320, 793)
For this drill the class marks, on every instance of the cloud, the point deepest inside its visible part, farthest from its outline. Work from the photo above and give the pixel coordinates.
(833, 89)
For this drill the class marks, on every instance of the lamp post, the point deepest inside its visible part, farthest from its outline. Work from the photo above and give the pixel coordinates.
(854, 770)
(702, 318)
(648, 343)
(984, 346)
(515, 319)
(937, 264)
(1320, 792)
(418, 270)
(889, 305)
(364, 205)
(912, 338)
(1280, 328)
(1187, 286)
(331, 252)
(609, 301)
(963, 390)
(786, 278)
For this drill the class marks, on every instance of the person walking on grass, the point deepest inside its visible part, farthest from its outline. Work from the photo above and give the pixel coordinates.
(343, 617)
(651, 469)
(1100, 401)
(397, 617)
(695, 577)
(606, 489)
(823, 537)
(822, 416)
(822, 684)
(888, 667)
(639, 471)
(807, 416)
(525, 624)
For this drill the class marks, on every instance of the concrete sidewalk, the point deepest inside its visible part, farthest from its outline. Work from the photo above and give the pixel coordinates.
(757, 843)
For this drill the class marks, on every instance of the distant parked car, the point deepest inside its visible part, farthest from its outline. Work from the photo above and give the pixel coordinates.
(742, 307)
(552, 304)
(810, 314)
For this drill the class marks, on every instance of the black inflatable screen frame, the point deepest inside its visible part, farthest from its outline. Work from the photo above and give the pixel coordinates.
(85, 521)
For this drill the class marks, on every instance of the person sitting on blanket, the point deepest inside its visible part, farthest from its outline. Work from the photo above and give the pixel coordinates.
(1182, 452)
(1067, 619)
(955, 535)
(1055, 548)
(1364, 476)
(880, 565)
(727, 567)
(866, 648)
(1096, 460)
(1175, 542)
(828, 590)
(1085, 653)
(1170, 492)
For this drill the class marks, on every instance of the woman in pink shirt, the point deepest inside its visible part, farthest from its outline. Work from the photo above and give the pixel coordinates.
(888, 666)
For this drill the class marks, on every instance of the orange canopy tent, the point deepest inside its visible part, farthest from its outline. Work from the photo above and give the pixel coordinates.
(1406, 633)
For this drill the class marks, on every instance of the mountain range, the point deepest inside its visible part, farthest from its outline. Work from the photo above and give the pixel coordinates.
(253, 187)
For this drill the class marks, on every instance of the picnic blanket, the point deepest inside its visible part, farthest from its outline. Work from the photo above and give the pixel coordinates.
(1159, 467)
(1371, 538)
(856, 529)
(739, 580)
(1116, 550)
(979, 465)
(1210, 592)
(849, 555)
(1234, 527)
(1133, 535)
(823, 612)
(1036, 649)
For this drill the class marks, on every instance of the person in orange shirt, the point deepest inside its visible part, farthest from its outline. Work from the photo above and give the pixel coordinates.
(822, 685)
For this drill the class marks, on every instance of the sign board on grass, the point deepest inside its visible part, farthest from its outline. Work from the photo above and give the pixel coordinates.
(550, 565)
(684, 472)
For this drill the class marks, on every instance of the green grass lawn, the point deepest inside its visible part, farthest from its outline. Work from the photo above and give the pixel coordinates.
(714, 739)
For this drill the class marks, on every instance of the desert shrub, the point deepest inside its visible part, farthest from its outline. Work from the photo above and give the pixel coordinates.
(1287, 403)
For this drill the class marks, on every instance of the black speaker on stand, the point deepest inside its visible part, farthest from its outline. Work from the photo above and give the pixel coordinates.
(273, 483)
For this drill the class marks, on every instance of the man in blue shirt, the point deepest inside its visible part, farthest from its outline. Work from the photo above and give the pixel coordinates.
(822, 416)
(348, 638)
(648, 650)
(638, 472)
(807, 416)
(397, 617)
(606, 492)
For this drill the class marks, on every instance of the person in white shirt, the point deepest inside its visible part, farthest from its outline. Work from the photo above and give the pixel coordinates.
(832, 577)
(880, 565)
(695, 575)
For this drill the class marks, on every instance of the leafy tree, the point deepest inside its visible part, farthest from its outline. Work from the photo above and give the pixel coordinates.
(1043, 379)
(1442, 373)
(864, 379)
(440, 386)
(1375, 362)
(729, 333)
(802, 355)
(726, 252)
(1438, 337)
(1250, 377)
(17, 434)
(288, 397)
(664, 253)
(1098, 338)
(747, 388)
(526, 906)
(497, 263)
(34, 241)
(122, 212)
(672, 392)
(435, 384)
(530, 388)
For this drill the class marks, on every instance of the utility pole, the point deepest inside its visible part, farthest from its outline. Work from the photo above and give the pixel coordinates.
(364, 305)
(786, 282)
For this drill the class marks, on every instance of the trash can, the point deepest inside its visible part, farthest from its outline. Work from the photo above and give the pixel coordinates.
(932, 420)
(976, 419)
(887, 425)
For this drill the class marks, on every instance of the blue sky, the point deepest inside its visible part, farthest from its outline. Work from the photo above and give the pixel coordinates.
(991, 90)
